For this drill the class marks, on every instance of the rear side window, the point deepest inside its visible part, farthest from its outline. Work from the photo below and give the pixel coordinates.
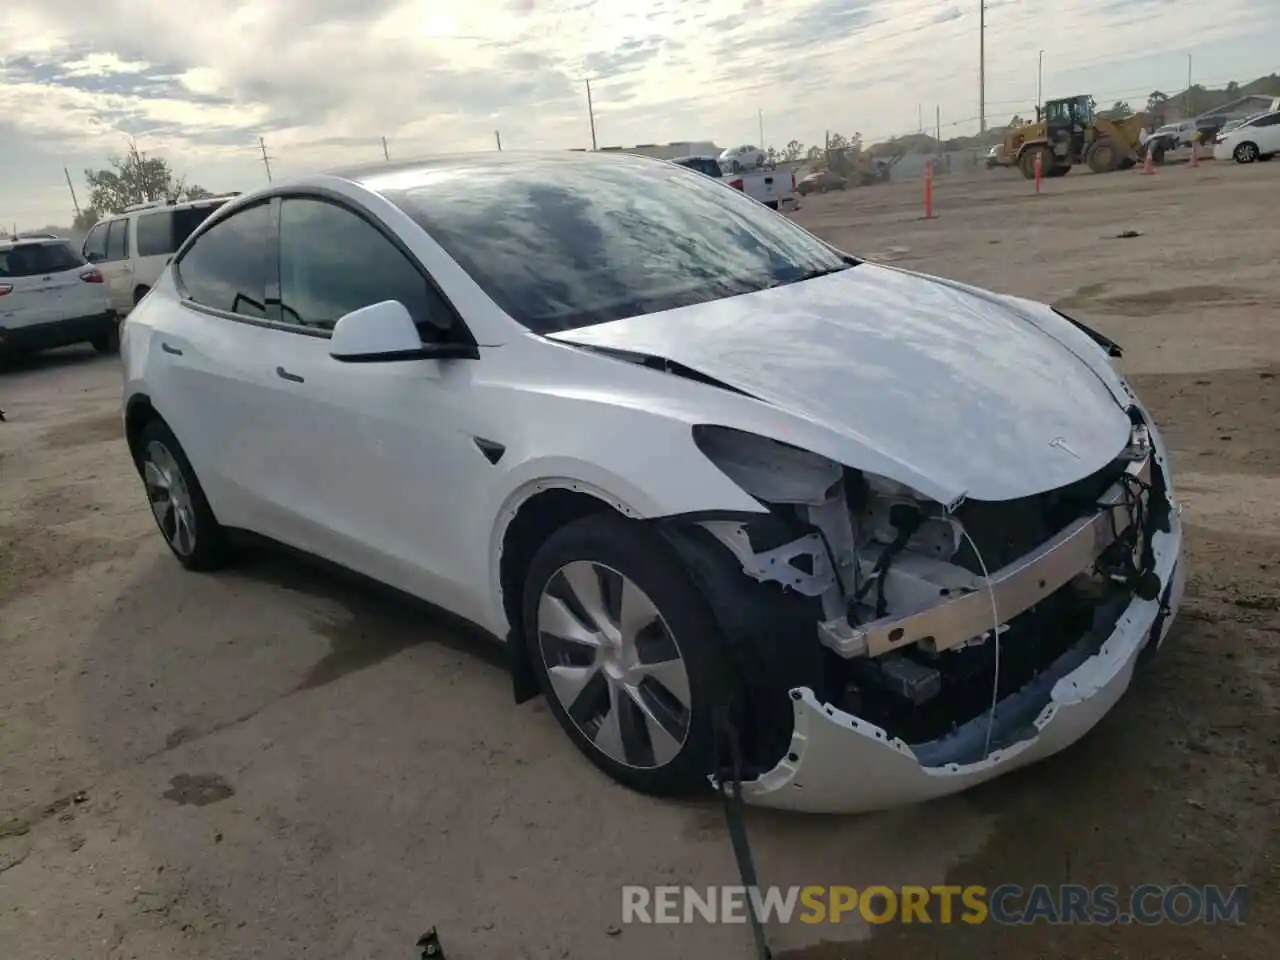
(228, 267)
(35, 259)
(155, 234)
(1270, 121)
(118, 240)
(95, 244)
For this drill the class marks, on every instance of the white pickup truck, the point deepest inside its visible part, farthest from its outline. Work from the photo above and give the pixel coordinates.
(773, 188)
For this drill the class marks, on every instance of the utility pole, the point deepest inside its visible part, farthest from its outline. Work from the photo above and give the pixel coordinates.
(1040, 86)
(74, 202)
(982, 66)
(937, 119)
(919, 120)
(591, 112)
(1186, 100)
(498, 139)
(266, 161)
(760, 117)
(385, 155)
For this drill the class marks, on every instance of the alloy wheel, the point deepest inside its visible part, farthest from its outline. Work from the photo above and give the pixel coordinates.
(614, 665)
(170, 498)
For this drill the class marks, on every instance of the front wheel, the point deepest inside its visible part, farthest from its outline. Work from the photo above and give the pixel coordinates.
(1103, 156)
(1027, 162)
(626, 653)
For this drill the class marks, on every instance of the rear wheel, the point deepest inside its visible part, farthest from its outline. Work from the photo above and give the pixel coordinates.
(1059, 171)
(626, 653)
(1246, 153)
(109, 342)
(177, 500)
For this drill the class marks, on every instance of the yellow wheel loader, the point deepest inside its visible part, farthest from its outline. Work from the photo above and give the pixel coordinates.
(1068, 133)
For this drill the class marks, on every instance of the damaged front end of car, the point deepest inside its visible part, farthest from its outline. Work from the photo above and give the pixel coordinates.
(889, 649)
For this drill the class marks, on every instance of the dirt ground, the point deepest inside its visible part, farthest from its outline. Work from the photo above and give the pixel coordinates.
(271, 763)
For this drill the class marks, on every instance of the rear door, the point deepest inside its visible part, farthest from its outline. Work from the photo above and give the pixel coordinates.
(115, 265)
(1266, 133)
(213, 362)
(41, 282)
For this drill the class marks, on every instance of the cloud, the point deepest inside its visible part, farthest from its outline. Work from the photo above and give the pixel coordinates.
(199, 81)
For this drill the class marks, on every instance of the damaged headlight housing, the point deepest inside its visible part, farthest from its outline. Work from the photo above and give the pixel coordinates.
(848, 525)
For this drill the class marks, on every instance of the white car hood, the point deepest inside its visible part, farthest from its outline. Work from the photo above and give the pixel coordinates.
(955, 387)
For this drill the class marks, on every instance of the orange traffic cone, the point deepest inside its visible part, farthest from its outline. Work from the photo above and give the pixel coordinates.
(1195, 153)
(1149, 163)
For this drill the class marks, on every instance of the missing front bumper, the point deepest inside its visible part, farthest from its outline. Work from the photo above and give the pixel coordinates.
(838, 763)
(1014, 589)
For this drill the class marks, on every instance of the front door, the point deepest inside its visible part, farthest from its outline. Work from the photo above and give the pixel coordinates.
(381, 455)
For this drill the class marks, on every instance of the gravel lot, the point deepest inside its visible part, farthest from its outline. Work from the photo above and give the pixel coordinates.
(270, 762)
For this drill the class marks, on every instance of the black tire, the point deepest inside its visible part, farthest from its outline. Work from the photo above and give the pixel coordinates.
(1027, 162)
(210, 547)
(139, 293)
(1103, 156)
(108, 343)
(642, 557)
(1246, 152)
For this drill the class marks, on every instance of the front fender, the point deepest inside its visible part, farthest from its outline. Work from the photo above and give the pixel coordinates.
(655, 488)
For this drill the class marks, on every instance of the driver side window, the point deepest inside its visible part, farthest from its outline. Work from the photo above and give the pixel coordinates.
(333, 261)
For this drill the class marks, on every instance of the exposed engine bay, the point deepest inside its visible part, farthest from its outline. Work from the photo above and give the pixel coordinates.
(917, 617)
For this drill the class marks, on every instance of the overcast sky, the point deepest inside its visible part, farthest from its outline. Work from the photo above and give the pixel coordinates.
(199, 81)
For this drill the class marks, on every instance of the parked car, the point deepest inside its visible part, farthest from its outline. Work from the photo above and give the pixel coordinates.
(993, 158)
(773, 188)
(686, 459)
(1207, 127)
(1256, 139)
(820, 181)
(133, 248)
(743, 158)
(50, 297)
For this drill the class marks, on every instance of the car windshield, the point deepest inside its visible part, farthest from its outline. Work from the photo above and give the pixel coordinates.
(564, 243)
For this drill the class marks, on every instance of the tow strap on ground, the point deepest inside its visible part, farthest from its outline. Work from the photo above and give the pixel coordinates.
(729, 786)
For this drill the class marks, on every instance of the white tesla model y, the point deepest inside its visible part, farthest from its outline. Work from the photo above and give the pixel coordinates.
(686, 459)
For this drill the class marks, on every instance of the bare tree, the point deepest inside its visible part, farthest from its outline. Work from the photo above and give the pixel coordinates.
(137, 178)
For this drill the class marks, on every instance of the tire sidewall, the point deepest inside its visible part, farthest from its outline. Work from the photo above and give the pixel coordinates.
(639, 554)
(211, 546)
(1246, 153)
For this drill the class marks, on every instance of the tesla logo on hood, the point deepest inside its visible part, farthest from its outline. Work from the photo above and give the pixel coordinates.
(1061, 444)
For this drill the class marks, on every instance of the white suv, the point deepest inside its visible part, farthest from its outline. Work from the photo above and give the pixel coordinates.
(50, 297)
(132, 248)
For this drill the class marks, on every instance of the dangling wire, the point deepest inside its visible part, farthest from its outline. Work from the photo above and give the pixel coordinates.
(995, 633)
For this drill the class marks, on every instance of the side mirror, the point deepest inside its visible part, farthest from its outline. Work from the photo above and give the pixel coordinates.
(93, 257)
(384, 333)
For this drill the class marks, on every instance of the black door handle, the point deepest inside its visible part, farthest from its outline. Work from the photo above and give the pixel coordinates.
(286, 375)
(168, 349)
